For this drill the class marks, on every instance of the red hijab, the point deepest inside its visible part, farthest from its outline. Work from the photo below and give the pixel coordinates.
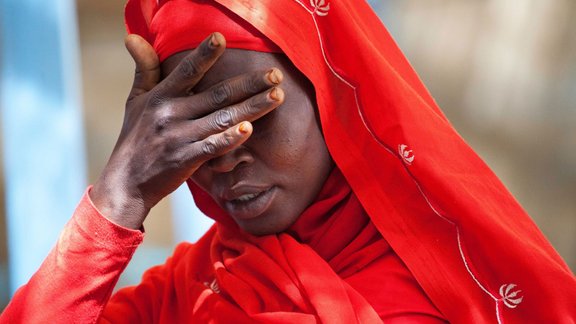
(474, 251)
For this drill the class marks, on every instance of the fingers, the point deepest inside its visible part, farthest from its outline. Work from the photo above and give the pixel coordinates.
(226, 93)
(218, 144)
(147, 74)
(193, 67)
(248, 110)
(201, 115)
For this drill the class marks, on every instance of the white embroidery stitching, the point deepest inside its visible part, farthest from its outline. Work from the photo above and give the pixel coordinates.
(406, 154)
(510, 296)
(213, 286)
(498, 315)
(321, 7)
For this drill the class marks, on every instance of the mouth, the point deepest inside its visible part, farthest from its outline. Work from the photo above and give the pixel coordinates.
(246, 198)
(247, 202)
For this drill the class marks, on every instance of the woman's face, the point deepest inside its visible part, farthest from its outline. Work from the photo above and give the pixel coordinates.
(266, 183)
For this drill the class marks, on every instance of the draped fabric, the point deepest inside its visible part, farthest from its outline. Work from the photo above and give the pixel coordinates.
(470, 246)
(325, 269)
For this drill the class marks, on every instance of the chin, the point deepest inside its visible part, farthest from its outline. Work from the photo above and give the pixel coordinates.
(262, 227)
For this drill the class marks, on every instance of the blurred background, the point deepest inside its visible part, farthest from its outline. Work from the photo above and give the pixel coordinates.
(503, 71)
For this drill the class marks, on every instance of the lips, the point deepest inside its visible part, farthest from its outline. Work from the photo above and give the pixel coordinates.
(248, 201)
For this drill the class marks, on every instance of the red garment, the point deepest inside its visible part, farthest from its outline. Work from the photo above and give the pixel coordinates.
(453, 226)
(78, 276)
(200, 17)
(332, 267)
(473, 249)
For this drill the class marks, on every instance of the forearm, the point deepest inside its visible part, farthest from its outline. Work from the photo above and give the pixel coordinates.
(78, 276)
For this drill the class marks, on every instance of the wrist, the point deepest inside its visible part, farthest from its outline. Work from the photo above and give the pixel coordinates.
(118, 205)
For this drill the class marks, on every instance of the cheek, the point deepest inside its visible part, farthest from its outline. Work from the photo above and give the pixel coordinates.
(202, 178)
(301, 151)
(286, 146)
(288, 150)
(296, 142)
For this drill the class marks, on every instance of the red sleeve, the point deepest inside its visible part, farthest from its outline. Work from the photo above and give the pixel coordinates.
(76, 279)
(153, 300)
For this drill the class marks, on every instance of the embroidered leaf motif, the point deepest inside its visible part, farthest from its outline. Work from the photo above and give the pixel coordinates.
(508, 293)
(406, 154)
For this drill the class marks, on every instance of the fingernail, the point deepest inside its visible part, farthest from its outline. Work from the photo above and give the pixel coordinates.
(276, 94)
(214, 41)
(275, 76)
(244, 127)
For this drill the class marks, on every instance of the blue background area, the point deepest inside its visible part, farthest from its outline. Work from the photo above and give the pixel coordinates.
(44, 165)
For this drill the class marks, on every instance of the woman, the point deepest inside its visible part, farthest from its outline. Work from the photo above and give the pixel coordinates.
(347, 197)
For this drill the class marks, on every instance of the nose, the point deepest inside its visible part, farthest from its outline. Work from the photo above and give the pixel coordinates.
(229, 161)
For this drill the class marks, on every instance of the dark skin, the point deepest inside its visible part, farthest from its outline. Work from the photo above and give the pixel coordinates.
(268, 181)
(196, 120)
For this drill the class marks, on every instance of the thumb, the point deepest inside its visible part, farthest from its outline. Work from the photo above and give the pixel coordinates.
(147, 73)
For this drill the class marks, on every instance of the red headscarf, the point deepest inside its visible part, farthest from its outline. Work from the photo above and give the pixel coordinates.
(174, 26)
(468, 243)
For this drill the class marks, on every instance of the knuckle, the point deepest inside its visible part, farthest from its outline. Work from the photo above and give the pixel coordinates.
(223, 119)
(228, 139)
(219, 95)
(163, 119)
(205, 49)
(214, 145)
(190, 67)
(210, 146)
(256, 103)
(161, 125)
